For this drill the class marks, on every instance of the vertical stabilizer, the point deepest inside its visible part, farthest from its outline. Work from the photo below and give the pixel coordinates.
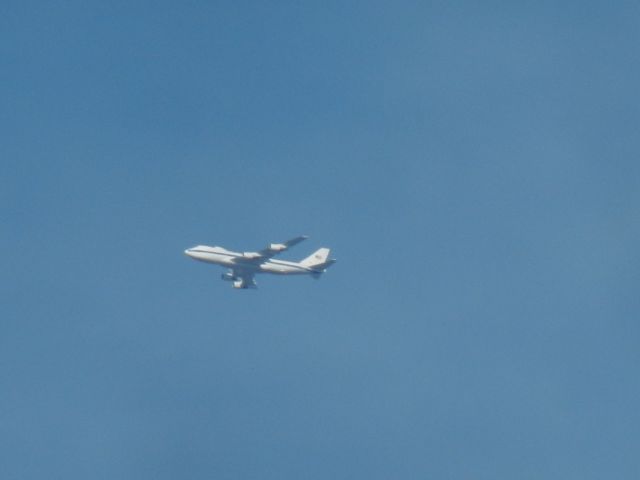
(317, 258)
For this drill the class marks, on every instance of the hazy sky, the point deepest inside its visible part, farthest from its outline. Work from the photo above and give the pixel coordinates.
(473, 165)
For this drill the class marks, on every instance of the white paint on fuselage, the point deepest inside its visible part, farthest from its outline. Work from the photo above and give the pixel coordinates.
(227, 258)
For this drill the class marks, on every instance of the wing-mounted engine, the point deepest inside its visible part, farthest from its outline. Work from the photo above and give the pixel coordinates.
(244, 282)
(252, 255)
(272, 250)
(239, 279)
(277, 247)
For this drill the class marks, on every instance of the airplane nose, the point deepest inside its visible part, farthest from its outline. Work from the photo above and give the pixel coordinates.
(187, 252)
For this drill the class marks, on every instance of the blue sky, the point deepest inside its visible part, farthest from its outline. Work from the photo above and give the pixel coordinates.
(474, 167)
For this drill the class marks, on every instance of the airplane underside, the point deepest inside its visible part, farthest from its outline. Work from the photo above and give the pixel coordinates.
(240, 281)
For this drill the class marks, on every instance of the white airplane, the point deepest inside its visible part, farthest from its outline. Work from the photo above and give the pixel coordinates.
(243, 266)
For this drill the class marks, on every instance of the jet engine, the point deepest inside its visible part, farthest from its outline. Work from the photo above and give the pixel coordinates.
(228, 277)
(277, 247)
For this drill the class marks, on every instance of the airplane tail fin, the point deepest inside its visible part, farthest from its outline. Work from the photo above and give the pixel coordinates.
(318, 260)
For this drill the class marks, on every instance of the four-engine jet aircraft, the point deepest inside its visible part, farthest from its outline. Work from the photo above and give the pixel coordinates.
(243, 266)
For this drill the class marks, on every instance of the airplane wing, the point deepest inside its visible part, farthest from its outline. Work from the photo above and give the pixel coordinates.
(272, 250)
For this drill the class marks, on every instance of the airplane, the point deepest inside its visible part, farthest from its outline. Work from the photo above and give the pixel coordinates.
(243, 266)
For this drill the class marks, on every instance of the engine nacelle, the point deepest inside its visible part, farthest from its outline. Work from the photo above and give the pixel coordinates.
(228, 277)
(277, 247)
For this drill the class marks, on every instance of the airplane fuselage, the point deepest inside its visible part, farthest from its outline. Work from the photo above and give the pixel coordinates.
(237, 260)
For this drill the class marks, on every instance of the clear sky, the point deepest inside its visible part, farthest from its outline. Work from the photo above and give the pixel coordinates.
(473, 165)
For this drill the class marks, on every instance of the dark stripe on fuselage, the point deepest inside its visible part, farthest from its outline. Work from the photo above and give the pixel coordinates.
(289, 264)
(270, 260)
(214, 253)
